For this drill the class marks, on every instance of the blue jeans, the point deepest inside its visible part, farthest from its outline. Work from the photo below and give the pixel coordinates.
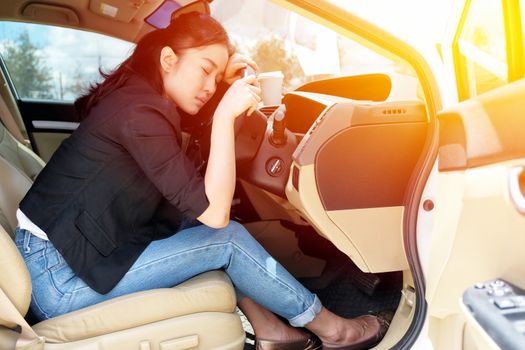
(168, 262)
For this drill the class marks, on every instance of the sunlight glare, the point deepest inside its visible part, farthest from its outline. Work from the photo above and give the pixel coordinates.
(419, 22)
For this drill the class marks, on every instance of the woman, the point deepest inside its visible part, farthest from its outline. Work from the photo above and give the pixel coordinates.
(100, 219)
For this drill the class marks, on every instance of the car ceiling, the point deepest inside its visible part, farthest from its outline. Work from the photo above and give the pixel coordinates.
(123, 19)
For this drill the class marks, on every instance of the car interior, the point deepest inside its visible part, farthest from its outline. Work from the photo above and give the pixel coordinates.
(321, 190)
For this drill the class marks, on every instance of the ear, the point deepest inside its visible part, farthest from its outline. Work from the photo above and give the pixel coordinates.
(168, 58)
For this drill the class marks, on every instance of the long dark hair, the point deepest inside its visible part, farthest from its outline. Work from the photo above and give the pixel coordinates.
(186, 31)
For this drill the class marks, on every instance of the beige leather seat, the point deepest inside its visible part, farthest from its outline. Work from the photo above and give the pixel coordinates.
(19, 155)
(27, 166)
(197, 314)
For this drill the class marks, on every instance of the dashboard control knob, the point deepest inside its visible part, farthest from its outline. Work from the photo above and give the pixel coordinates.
(274, 166)
(499, 292)
(497, 284)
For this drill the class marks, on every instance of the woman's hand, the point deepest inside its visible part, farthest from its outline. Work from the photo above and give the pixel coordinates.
(235, 67)
(243, 95)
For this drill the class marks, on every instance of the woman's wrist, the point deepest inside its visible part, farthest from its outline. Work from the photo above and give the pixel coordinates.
(223, 115)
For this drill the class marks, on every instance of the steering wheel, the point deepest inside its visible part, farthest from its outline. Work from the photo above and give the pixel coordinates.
(260, 161)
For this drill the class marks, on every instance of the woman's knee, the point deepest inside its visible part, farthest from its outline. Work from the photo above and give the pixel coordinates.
(236, 232)
(233, 227)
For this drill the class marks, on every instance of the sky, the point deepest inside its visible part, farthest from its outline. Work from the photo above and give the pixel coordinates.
(10, 30)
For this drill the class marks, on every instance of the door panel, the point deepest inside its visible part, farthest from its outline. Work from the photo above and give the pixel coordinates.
(48, 123)
(46, 143)
(495, 307)
(483, 240)
(58, 111)
(475, 337)
(479, 232)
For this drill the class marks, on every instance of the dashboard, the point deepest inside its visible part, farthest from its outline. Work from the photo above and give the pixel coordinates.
(343, 164)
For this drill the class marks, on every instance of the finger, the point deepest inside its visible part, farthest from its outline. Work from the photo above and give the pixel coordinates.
(250, 79)
(251, 63)
(255, 67)
(256, 96)
(235, 67)
(253, 104)
(255, 101)
(252, 98)
(236, 57)
(255, 89)
(253, 108)
(241, 58)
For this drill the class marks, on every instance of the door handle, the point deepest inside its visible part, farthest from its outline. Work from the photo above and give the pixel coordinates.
(516, 194)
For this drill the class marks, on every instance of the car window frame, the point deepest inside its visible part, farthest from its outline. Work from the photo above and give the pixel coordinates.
(513, 43)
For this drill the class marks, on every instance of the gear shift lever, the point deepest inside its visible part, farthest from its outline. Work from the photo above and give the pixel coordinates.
(278, 136)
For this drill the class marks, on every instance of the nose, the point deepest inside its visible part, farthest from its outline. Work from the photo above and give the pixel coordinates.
(210, 86)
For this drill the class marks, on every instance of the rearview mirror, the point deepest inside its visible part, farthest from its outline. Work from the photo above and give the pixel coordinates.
(171, 9)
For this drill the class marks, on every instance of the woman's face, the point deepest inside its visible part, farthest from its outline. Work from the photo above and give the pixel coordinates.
(190, 77)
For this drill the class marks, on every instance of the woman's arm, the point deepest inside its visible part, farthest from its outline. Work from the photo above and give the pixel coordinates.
(219, 180)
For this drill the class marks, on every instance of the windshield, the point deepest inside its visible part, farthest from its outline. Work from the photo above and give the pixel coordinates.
(281, 40)
(422, 23)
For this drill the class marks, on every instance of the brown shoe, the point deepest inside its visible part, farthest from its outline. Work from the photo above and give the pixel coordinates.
(310, 343)
(369, 341)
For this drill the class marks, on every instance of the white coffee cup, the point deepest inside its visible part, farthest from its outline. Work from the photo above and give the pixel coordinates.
(271, 87)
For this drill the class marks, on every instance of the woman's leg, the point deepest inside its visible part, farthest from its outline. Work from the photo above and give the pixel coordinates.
(265, 324)
(170, 261)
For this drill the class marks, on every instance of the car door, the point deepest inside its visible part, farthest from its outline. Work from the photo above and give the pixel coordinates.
(46, 68)
(476, 269)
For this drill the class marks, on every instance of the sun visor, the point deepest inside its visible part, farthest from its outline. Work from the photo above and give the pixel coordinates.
(122, 10)
(170, 9)
(50, 14)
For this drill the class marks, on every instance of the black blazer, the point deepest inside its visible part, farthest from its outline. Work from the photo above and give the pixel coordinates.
(120, 181)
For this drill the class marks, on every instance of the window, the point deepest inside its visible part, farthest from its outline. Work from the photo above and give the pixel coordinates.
(482, 48)
(278, 39)
(54, 63)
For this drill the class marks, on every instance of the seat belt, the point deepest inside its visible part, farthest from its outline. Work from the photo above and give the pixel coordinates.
(28, 339)
(9, 122)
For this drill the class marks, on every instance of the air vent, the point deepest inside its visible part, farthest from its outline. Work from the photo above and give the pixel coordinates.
(268, 110)
(394, 111)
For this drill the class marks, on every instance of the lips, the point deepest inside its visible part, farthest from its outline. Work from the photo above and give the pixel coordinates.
(202, 100)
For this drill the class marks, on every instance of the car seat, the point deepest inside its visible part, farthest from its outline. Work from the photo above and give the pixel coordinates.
(197, 314)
